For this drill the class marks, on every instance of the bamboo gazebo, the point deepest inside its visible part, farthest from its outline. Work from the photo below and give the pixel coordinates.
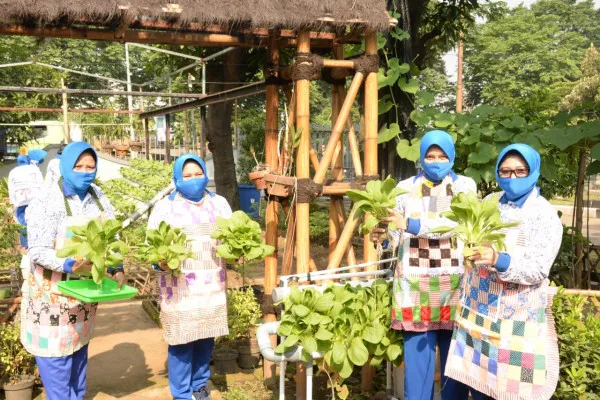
(304, 24)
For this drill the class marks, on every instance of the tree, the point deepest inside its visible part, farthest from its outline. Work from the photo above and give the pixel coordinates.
(528, 60)
(426, 30)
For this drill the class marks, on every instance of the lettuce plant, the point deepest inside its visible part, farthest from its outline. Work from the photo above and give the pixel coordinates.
(376, 201)
(166, 244)
(478, 222)
(350, 325)
(97, 242)
(241, 238)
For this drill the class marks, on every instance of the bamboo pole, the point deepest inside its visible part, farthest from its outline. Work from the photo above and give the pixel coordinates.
(341, 213)
(354, 150)
(272, 212)
(338, 128)
(72, 110)
(370, 168)
(345, 237)
(302, 172)
(338, 62)
(337, 99)
(285, 156)
(290, 240)
(314, 158)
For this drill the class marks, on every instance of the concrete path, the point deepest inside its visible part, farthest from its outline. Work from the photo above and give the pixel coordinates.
(127, 354)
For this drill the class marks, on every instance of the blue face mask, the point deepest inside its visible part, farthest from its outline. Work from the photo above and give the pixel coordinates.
(81, 181)
(436, 171)
(517, 190)
(192, 189)
(78, 181)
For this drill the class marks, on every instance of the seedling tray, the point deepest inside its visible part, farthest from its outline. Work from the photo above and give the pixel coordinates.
(87, 290)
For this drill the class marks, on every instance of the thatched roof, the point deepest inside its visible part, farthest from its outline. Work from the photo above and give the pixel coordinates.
(250, 13)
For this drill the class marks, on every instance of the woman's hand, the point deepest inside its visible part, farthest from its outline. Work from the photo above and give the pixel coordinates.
(484, 255)
(378, 235)
(397, 218)
(163, 265)
(119, 276)
(82, 266)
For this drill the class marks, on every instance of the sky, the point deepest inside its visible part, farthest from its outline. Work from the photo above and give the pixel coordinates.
(450, 58)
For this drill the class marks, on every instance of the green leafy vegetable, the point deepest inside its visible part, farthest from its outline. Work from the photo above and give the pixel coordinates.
(97, 242)
(241, 238)
(165, 244)
(376, 200)
(479, 222)
(350, 325)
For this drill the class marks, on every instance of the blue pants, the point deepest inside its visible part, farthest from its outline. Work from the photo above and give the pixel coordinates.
(189, 367)
(419, 366)
(20, 216)
(64, 378)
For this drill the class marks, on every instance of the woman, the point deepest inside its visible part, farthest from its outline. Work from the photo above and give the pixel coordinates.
(24, 184)
(53, 170)
(55, 328)
(194, 305)
(504, 344)
(427, 279)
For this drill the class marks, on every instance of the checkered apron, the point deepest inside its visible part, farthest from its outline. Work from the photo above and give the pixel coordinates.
(194, 305)
(428, 274)
(55, 325)
(504, 343)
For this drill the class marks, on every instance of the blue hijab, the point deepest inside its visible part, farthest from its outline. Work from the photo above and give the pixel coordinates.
(79, 182)
(515, 189)
(437, 171)
(191, 189)
(37, 156)
(23, 160)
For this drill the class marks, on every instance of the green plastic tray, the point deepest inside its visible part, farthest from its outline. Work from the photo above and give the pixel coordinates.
(87, 291)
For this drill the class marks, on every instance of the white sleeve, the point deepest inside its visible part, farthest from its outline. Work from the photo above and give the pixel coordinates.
(530, 265)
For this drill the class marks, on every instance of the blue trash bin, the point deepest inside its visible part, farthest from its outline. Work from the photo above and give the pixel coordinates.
(249, 200)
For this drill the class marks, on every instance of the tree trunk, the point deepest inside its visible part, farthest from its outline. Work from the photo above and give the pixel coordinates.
(579, 216)
(218, 128)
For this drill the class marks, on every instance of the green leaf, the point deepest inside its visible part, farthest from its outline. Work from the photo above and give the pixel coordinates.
(425, 98)
(309, 343)
(358, 353)
(300, 310)
(387, 133)
(443, 120)
(407, 150)
(420, 117)
(410, 86)
(323, 334)
(339, 352)
(393, 351)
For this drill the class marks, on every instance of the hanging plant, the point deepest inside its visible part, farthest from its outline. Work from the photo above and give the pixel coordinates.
(97, 242)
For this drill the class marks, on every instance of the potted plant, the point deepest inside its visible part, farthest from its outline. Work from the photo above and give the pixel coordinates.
(17, 364)
(478, 223)
(378, 198)
(243, 312)
(224, 356)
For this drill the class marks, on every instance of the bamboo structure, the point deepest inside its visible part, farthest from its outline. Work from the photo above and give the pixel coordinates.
(302, 171)
(285, 155)
(272, 212)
